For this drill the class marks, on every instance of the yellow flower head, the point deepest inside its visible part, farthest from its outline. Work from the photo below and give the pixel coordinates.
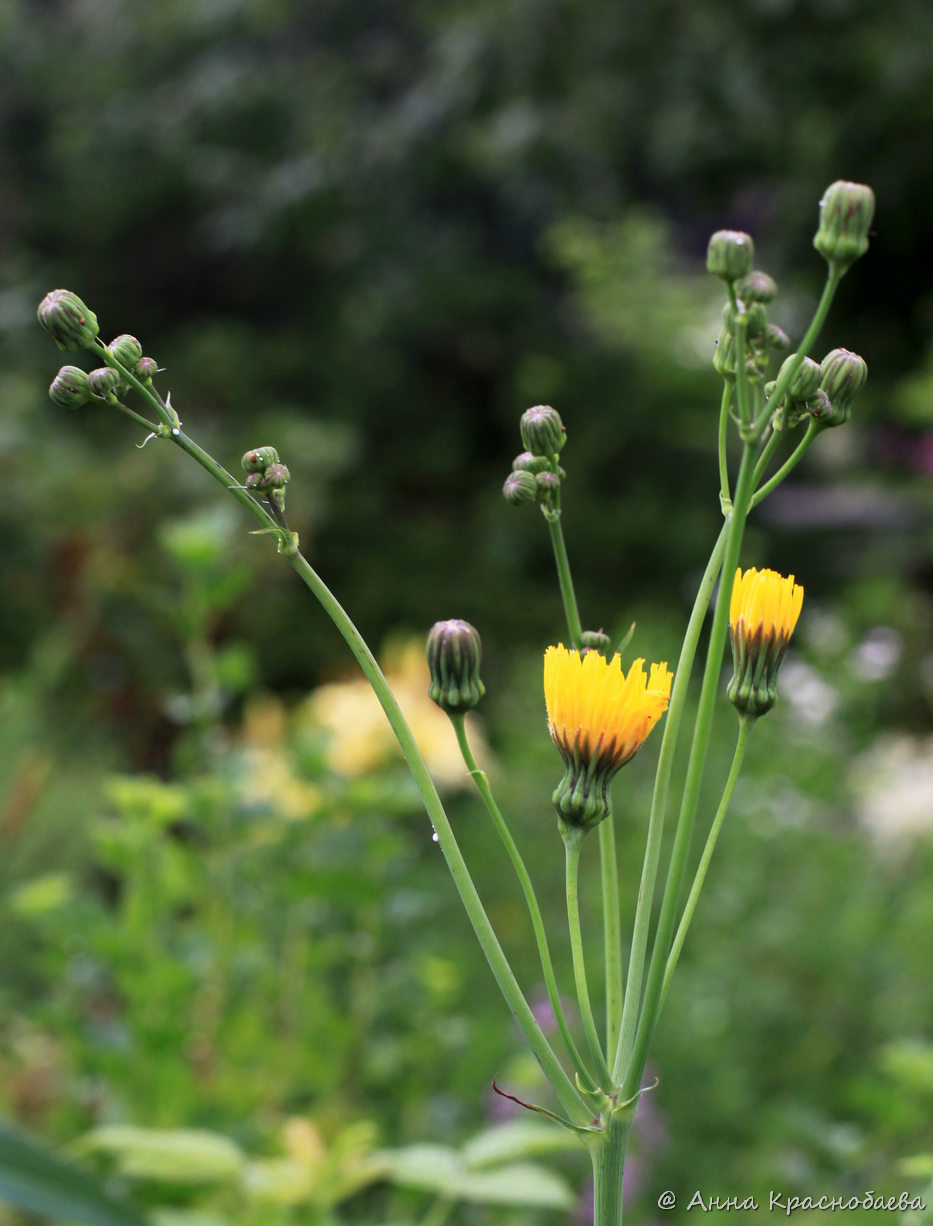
(598, 718)
(763, 612)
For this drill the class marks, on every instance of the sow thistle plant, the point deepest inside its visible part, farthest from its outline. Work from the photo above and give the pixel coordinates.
(599, 713)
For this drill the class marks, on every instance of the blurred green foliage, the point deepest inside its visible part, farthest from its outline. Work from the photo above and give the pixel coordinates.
(372, 235)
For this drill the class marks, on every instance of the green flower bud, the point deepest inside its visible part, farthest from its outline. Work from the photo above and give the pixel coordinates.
(520, 487)
(724, 355)
(276, 477)
(542, 430)
(69, 323)
(103, 381)
(820, 409)
(69, 389)
(844, 374)
(596, 640)
(730, 254)
(255, 481)
(259, 459)
(453, 653)
(757, 287)
(756, 318)
(775, 337)
(126, 349)
(805, 381)
(526, 462)
(548, 483)
(145, 368)
(846, 213)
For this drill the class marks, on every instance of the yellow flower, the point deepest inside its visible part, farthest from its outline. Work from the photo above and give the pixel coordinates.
(598, 718)
(763, 612)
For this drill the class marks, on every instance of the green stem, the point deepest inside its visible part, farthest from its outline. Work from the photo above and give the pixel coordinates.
(568, 596)
(767, 451)
(608, 1161)
(786, 377)
(482, 786)
(612, 929)
(573, 841)
(745, 726)
(790, 463)
(662, 781)
(723, 441)
(742, 395)
(697, 761)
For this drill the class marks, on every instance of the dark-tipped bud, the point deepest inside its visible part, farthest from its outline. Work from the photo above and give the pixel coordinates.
(103, 381)
(69, 389)
(547, 483)
(757, 287)
(843, 375)
(69, 323)
(276, 476)
(259, 459)
(145, 369)
(805, 381)
(596, 640)
(520, 487)
(542, 430)
(730, 254)
(126, 350)
(526, 462)
(775, 337)
(846, 213)
(454, 652)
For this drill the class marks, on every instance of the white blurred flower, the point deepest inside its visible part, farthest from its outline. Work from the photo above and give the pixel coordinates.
(894, 787)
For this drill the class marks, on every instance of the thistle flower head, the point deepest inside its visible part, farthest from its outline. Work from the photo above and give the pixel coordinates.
(763, 612)
(598, 718)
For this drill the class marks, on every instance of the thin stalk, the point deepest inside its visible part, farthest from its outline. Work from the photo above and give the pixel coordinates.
(573, 841)
(745, 726)
(608, 1165)
(568, 596)
(697, 761)
(742, 392)
(791, 462)
(547, 967)
(786, 377)
(612, 929)
(662, 782)
(723, 442)
(766, 453)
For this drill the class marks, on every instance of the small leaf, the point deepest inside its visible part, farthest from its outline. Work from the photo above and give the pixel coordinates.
(508, 1142)
(178, 1156)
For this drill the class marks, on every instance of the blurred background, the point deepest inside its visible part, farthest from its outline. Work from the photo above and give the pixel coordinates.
(372, 235)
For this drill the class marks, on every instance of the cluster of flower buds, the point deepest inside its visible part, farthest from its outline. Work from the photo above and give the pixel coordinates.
(823, 391)
(730, 256)
(536, 475)
(454, 652)
(266, 474)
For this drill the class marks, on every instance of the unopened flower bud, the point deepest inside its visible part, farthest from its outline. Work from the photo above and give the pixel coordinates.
(126, 349)
(724, 355)
(820, 409)
(259, 459)
(276, 476)
(255, 481)
(596, 640)
(730, 254)
(542, 430)
(69, 389)
(103, 381)
(805, 381)
(548, 483)
(520, 487)
(526, 462)
(846, 213)
(843, 376)
(145, 368)
(453, 653)
(775, 337)
(756, 318)
(67, 320)
(757, 287)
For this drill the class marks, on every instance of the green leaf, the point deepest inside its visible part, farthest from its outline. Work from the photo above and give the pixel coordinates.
(437, 1169)
(182, 1155)
(33, 1177)
(519, 1139)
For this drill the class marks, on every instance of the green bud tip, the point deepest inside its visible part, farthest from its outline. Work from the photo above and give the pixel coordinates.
(757, 287)
(843, 375)
(453, 654)
(69, 389)
(520, 487)
(526, 462)
(805, 381)
(775, 337)
(103, 381)
(543, 431)
(547, 483)
(259, 459)
(145, 368)
(730, 254)
(276, 476)
(596, 640)
(846, 213)
(71, 325)
(126, 350)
